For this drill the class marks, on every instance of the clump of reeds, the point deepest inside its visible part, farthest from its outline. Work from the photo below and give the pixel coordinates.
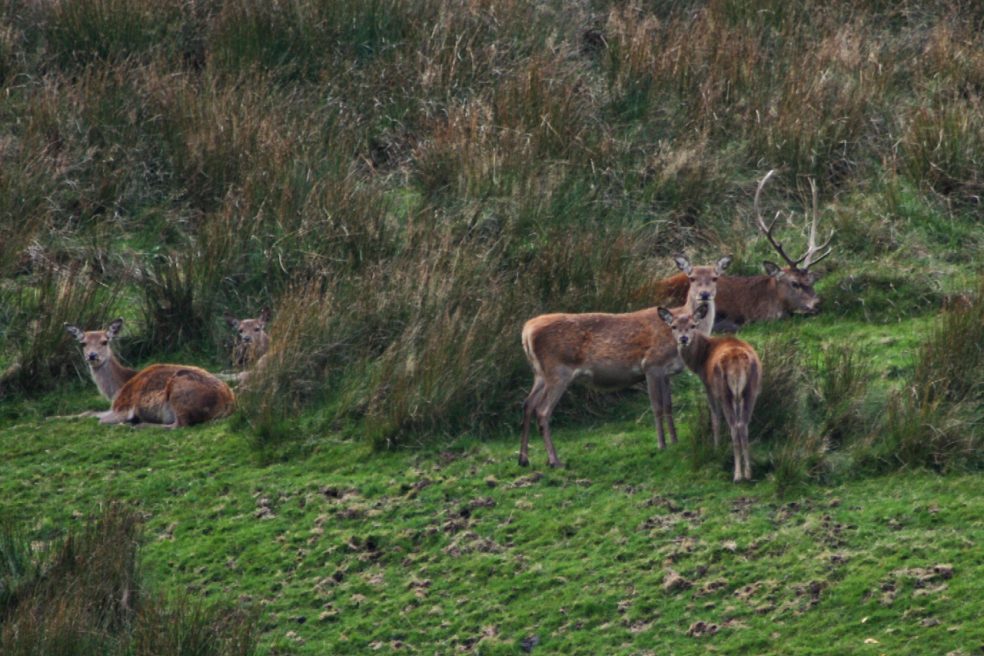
(84, 594)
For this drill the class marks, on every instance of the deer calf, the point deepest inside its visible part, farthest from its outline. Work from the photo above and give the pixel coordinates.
(166, 395)
(731, 372)
(253, 340)
(612, 351)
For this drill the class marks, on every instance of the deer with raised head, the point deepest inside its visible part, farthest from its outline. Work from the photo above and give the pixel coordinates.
(732, 375)
(612, 351)
(780, 293)
(252, 339)
(165, 395)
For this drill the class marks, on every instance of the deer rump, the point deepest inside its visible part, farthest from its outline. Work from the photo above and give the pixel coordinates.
(173, 394)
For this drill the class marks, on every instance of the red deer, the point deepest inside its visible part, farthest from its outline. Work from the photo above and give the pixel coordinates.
(778, 294)
(166, 395)
(732, 375)
(253, 341)
(613, 351)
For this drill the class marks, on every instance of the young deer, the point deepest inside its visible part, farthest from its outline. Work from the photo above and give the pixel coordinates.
(779, 293)
(613, 351)
(166, 395)
(731, 372)
(253, 341)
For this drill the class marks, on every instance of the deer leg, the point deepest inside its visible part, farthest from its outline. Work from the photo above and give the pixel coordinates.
(668, 408)
(654, 385)
(111, 417)
(715, 416)
(746, 452)
(728, 407)
(554, 390)
(529, 407)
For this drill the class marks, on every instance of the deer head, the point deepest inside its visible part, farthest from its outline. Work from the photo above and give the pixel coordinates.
(95, 343)
(794, 284)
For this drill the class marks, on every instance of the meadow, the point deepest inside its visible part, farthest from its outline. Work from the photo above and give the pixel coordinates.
(403, 184)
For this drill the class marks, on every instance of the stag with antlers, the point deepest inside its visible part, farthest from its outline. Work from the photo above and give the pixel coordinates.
(780, 293)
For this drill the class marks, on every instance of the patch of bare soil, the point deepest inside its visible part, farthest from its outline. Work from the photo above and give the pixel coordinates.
(925, 581)
(700, 628)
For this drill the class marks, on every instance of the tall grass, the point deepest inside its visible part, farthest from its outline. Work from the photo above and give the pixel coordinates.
(84, 594)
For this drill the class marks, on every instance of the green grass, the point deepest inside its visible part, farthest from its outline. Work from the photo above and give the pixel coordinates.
(347, 551)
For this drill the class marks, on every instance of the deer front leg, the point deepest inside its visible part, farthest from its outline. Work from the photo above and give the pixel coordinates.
(654, 385)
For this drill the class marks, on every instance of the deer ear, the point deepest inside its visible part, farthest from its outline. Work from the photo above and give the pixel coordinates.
(812, 276)
(701, 311)
(773, 269)
(682, 263)
(232, 321)
(75, 332)
(265, 315)
(723, 264)
(114, 328)
(665, 315)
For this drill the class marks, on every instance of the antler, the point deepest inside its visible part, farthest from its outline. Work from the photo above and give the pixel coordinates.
(811, 245)
(807, 259)
(767, 230)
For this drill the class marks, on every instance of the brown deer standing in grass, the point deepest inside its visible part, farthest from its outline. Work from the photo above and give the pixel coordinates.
(778, 294)
(166, 395)
(732, 375)
(613, 351)
(253, 341)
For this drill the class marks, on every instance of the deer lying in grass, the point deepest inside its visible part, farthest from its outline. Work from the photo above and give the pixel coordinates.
(253, 340)
(613, 351)
(731, 372)
(165, 395)
(778, 294)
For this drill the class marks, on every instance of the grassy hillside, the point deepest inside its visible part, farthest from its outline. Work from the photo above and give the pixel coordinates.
(404, 183)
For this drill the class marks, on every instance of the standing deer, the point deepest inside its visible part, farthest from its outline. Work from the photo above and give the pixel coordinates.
(253, 341)
(731, 372)
(166, 395)
(613, 351)
(779, 293)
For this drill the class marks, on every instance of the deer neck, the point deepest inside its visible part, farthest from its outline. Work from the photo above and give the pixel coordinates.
(111, 376)
(695, 354)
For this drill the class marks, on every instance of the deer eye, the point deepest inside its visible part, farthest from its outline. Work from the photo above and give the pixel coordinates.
(256, 330)
(104, 342)
(692, 279)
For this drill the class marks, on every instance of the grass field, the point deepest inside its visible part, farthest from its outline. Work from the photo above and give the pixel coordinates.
(441, 550)
(404, 183)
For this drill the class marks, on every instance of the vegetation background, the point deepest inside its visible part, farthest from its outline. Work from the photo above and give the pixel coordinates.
(405, 182)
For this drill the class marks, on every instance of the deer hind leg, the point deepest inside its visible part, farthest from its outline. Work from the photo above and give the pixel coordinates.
(529, 407)
(715, 416)
(748, 403)
(728, 406)
(554, 389)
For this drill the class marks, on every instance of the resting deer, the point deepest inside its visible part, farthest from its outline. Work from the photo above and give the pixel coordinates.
(253, 341)
(613, 351)
(166, 395)
(779, 293)
(731, 372)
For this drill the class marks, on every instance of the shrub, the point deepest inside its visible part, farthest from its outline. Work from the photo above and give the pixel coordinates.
(84, 594)
(40, 351)
(936, 420)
